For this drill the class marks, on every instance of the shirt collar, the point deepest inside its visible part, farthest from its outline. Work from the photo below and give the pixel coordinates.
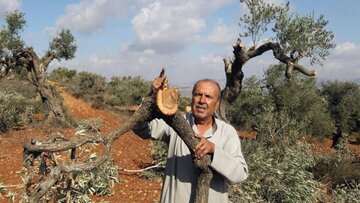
(209, 133)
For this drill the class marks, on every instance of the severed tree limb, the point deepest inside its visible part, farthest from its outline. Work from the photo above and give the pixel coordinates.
(179, 124)
(183, 129)
(175, 119)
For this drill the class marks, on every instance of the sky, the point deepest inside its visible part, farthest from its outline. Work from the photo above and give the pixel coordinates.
(188, 38)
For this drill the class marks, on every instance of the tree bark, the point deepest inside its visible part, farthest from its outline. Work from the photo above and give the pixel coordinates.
(234, 73)
(51, 100)
(37, 76)
(179, 124)
(340, 140)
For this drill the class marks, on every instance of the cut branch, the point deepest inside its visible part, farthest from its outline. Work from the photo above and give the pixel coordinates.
(183, 129)
(180, 125)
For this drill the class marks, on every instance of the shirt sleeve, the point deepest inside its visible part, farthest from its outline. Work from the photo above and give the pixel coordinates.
(228, 159)
(155, 129)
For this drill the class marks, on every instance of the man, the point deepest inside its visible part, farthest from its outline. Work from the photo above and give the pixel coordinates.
(217, 139)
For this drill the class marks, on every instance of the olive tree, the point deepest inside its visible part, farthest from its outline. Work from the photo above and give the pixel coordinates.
(294, 38)
(298, 98)
(343, 99)
(15, 55)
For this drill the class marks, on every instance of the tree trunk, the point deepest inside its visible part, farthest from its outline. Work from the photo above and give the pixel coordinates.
(37, 76)
(51, 100)
(234, 77)
(340, 140)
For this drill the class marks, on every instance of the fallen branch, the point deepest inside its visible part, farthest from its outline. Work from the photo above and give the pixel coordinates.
(11, 186)
(32, 151)
(158, 165)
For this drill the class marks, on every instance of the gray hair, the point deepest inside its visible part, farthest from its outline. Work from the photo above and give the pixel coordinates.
(207, 80)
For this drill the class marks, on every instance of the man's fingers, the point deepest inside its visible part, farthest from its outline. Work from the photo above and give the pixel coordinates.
(197, 146)
(198, 136)
(201, 148)
(201, 142)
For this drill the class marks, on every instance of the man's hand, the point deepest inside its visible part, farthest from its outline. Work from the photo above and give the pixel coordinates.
(203, 147)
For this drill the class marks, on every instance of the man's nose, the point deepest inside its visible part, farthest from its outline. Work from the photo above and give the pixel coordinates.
(202, 98)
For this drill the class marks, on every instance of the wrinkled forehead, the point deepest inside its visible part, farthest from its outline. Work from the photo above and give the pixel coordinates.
(206, 87)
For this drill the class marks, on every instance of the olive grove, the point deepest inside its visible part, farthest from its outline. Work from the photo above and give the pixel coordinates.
(294, 39)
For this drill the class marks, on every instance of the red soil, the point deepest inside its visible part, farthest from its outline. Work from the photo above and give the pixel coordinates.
(129, 152)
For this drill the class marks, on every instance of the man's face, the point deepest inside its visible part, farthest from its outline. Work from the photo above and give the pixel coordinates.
(204, 100)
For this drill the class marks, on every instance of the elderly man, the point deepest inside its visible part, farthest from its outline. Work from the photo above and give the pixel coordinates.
(217, 139)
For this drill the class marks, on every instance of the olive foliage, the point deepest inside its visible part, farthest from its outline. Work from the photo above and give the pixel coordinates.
(344, 106)
(127, 90)
(298, 98)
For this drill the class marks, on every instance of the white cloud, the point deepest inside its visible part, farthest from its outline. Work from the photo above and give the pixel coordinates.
(211, 61)
(223, 34)
(101, 61)
(167, 26)
(277, 2)
(343, 63)
(51, 32)
(8, 6)
(90, 16)
(346, 48)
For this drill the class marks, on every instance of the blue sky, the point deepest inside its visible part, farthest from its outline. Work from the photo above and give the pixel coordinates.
(189, 38)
